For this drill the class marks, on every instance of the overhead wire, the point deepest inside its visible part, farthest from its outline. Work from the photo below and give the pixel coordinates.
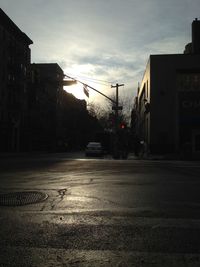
(97, 81)
(86, 85)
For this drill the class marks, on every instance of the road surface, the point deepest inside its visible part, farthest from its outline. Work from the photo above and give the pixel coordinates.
(101, 212)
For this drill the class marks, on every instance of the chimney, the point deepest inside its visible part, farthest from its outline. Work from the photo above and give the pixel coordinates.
(196, 36)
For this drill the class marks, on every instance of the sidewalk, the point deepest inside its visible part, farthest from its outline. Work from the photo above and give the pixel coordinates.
(154, 157)
(40, 154)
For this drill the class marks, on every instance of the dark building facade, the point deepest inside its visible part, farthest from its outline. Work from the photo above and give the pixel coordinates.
(36, 114)
(14, 75)
(168, 101)
(58, 121)
(45, 89)
(75, 124)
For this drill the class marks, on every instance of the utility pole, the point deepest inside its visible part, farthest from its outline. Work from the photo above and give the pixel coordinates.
(116, 108)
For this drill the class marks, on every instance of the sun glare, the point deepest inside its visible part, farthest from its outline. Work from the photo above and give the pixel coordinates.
(86, 77)
(76, 90)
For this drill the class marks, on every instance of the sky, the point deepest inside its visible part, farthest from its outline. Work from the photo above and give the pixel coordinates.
(103, 42)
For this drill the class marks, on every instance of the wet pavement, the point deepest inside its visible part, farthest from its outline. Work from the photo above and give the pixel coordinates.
(101, 212)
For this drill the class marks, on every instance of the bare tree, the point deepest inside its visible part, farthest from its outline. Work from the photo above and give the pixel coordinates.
(96, 110)
(126, 103)
(106, 115)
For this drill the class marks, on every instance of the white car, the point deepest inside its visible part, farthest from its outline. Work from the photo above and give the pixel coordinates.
(94, 149)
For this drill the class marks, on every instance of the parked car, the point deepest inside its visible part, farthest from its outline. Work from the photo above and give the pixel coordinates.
(94, 149)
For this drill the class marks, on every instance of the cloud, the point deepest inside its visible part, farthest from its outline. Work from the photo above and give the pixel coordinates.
(109, 40)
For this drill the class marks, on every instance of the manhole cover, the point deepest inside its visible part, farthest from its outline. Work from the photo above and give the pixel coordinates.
(22, 198)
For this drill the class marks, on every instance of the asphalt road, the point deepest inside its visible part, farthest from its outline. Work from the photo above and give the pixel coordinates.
(101, 212)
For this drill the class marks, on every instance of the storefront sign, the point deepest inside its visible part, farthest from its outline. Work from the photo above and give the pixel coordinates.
(188, 82)
(189, 104)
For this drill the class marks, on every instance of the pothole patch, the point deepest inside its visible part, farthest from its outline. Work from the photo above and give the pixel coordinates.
(22, 198)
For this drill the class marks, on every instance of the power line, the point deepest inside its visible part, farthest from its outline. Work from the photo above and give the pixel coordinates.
(98, 81)
(86, 85)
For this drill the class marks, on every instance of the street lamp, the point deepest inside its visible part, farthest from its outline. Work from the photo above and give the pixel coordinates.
(69, 82)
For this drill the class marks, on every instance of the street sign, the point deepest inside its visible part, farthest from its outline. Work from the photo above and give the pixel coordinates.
(117, 108)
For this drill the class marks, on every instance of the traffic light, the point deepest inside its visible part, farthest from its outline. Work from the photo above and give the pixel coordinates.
(122, 125)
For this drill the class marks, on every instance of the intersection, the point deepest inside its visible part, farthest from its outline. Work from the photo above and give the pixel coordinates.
(101, 212)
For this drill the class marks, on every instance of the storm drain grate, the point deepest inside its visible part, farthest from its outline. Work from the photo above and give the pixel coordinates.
(22, 198)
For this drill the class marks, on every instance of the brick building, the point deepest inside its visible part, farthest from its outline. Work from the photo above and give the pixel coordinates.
(14, 74)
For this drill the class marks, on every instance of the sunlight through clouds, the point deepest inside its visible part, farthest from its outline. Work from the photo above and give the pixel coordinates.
(107, 40)
(76, 90)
